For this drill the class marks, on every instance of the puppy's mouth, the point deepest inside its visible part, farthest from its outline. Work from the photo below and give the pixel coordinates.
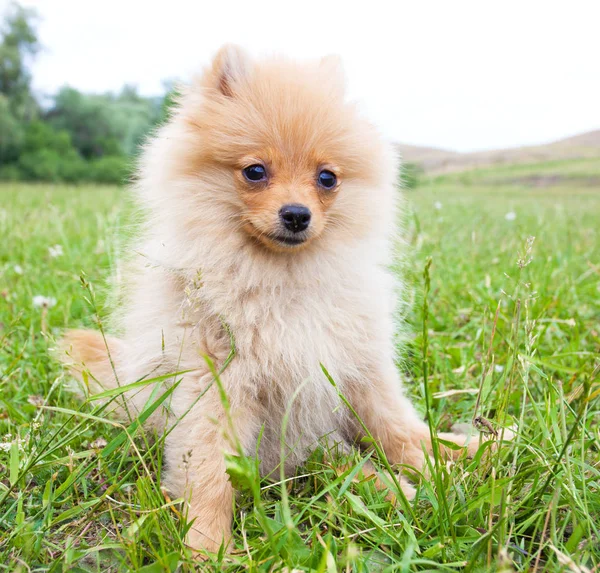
(289, 240)
(278, 238)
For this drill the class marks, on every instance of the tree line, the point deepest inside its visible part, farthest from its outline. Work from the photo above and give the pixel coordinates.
(70, 136)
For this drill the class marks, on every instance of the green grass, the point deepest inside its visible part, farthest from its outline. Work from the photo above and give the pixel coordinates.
(584, 172)
(70, 502)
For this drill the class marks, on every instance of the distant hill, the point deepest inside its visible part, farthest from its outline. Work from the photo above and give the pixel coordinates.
(437, 161)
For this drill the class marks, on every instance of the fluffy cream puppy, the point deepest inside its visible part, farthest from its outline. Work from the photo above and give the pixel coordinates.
(271, 206)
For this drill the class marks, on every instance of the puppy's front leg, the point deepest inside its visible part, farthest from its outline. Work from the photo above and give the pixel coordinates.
(195, 465)
(392, 420)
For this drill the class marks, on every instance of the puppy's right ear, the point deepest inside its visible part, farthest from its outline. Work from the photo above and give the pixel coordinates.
(230, 67)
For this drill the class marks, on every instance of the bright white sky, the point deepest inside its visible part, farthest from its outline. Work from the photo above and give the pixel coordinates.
(458, 74)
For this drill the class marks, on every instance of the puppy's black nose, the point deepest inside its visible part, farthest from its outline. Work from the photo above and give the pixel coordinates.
(295, 218)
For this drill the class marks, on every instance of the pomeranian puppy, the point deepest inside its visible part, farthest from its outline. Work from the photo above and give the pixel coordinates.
(271, 209)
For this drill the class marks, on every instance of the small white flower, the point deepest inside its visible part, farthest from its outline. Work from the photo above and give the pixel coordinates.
(510, 216)
(7, 445)
(18, 269)
(98, 444)
(36, 401)
(44, 301)
(437, 205)
(498, 368)
(55, 251)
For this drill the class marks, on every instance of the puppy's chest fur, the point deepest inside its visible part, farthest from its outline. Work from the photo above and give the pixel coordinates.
(284, 330)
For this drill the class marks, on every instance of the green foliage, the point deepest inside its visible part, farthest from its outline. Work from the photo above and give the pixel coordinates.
(42, 152)
(104, 124)
(410, 174)
(47, 154)
(80, 137)
(12, 132)
(10, 173)
(42, 165)
(17, 105)
(110, 169)
(40, 135)
(19, 45)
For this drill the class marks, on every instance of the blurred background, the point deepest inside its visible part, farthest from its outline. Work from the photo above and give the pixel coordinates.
(456, 85)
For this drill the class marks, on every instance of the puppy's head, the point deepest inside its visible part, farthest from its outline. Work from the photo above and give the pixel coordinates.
(276, 144)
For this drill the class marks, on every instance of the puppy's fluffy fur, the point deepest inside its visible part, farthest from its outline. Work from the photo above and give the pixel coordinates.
(215, 267)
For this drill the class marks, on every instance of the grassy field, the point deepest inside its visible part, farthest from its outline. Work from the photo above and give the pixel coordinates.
(514, 319)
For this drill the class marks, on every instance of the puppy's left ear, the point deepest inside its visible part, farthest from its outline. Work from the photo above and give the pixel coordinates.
(230, 67)
(331, 68)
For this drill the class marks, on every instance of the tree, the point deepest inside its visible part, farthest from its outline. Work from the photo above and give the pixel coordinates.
(18, 47)
(104, 124)
(12, 132)
(81, 137)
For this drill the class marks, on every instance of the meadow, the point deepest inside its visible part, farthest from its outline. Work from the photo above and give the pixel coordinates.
(503, 305)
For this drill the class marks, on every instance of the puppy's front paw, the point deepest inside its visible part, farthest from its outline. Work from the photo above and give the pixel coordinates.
(407, 488)
(205, 539)
(464, 435)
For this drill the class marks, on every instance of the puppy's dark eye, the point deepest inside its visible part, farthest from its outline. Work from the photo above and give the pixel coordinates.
(327, 179)
(255, 173)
